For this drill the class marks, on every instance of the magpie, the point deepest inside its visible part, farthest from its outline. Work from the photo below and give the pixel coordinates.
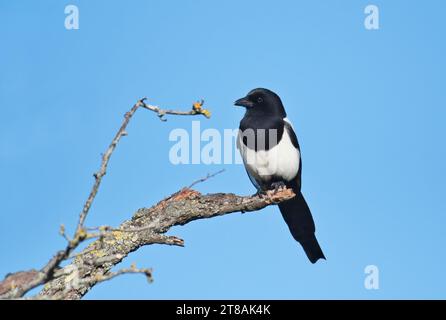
(271, 155)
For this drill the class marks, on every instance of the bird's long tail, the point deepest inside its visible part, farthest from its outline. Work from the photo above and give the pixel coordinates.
(298, 217)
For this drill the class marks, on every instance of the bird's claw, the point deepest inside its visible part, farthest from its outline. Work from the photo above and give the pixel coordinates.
(278, 186)
(261, 194)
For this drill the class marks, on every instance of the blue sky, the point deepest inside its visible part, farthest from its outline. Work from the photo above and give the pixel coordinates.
(368, 108)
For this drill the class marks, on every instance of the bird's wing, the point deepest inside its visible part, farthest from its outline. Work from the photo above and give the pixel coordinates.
(291, 133)
(253, 180)
(295, 142)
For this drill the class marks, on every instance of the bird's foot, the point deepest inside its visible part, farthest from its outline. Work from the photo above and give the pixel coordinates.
(278, 186)
(260, 194)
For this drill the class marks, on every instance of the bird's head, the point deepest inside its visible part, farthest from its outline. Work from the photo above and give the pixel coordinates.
(262, 101)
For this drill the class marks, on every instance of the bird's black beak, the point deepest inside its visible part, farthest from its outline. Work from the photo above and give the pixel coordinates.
(244, 102)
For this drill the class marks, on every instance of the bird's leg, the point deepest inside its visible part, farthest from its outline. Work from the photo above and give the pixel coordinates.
(278, 186)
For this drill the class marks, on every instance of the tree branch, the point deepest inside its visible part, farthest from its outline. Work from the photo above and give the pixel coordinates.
(147, 226)
(14, 285)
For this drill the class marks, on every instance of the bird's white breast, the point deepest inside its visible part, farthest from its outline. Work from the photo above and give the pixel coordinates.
(281, 161)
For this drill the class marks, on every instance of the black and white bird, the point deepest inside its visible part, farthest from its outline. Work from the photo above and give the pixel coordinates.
(271, 155)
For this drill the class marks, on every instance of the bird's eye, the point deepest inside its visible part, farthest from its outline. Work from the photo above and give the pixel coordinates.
(259, 99)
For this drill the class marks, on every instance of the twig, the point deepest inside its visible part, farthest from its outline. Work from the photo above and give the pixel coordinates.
(208, 176)
(110, 275)
(105, 159)
(197, 108)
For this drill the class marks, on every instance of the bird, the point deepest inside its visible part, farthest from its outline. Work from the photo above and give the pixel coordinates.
(272, 158)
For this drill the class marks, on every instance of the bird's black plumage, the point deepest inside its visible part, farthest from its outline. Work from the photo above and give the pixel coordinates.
(271, 154)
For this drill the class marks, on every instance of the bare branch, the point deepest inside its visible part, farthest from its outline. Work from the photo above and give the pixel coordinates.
(110, 275)
(205, 178)
(197, 108)
(147, 227)
(19, 287)
(105, 159)
(14, 282)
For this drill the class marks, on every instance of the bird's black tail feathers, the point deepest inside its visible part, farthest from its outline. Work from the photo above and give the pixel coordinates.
(298, 217)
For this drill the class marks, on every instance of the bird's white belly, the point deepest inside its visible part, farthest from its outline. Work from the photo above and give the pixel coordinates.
(280, 161)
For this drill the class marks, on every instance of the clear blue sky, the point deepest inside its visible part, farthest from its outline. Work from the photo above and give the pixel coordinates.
(368, 107)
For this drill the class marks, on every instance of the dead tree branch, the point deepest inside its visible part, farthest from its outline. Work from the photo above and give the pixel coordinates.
(147, 226)
(18, 284)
